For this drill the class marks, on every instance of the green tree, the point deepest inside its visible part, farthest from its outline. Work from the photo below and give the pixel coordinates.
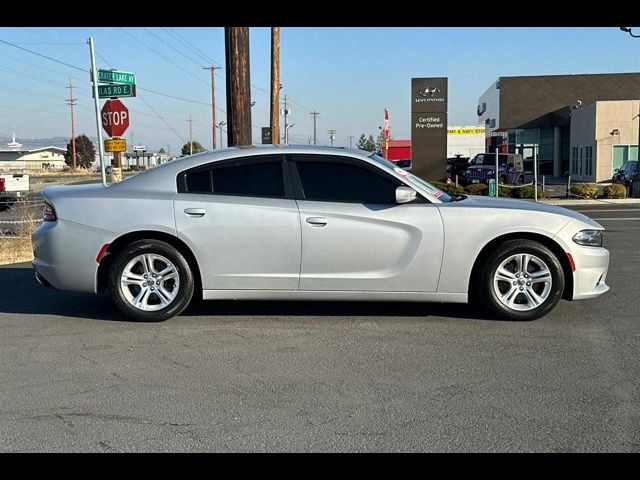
(197, 148)
(365, 143)
(85, 152)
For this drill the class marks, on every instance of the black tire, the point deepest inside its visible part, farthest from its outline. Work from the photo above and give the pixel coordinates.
(502, 180)
(484, 285)
(185, 288)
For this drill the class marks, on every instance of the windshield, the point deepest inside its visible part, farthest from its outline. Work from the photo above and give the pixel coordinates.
(488, 159)
(412, 179)
(630, 166)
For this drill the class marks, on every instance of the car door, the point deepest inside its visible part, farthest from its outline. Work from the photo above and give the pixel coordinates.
(355, 237)
(241, 222)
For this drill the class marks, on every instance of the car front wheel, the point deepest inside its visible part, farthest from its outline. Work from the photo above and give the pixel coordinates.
(521, 280)
(151, 281)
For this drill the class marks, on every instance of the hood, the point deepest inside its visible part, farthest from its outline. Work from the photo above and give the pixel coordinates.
(475, 201)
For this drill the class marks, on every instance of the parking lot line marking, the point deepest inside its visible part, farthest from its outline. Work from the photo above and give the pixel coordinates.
(610, 210)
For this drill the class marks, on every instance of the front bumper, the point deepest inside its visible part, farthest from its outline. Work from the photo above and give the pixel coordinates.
(592, 265)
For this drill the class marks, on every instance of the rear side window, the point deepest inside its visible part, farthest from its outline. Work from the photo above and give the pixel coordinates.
(199, 181)
(342, 181)
(250, 177)
(254, 180)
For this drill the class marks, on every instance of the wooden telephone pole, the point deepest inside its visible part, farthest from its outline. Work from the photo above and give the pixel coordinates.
(213, 104)
(238, 86)
(275, 85)
(71, 102)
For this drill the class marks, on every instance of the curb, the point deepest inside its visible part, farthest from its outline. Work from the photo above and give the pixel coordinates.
(622, 201)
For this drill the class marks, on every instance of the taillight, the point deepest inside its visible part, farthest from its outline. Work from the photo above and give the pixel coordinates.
(49, 214)
(2, 187)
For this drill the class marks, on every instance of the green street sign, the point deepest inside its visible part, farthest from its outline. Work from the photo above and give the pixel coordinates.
(115, 76)
(116, 91)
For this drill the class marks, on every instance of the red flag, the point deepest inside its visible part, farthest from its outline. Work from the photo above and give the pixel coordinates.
(386, 125)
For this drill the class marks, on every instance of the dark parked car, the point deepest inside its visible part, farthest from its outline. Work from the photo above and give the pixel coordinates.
(457, 165)
(483, 167)
(626, 173)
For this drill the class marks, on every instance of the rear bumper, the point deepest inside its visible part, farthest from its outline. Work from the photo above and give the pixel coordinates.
(65, 255)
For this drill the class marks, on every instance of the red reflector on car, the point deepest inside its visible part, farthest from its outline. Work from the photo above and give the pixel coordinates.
(571, 262)
(102, 253)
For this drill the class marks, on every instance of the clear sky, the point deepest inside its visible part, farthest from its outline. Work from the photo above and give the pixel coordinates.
(349, 75)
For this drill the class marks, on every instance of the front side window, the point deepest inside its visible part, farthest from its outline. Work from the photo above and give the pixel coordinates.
(338, 180)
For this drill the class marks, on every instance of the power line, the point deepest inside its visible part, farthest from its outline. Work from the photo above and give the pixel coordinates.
(43, 56)
(174, 48)
(193, 48)
(162, 56)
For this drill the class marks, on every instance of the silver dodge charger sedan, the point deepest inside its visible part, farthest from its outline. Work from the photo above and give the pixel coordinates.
(310, 223)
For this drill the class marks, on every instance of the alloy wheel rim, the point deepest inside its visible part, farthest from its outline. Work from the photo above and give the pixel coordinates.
(150, 282)
(522, 282)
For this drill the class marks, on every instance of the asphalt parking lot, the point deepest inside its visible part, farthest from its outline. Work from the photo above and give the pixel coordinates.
(301, 376)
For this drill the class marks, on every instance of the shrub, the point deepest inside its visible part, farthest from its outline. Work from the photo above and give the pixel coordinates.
(448, 187)
(585, 190)
(505, 192)
(477, 189)
(615, 190)
(527, 192)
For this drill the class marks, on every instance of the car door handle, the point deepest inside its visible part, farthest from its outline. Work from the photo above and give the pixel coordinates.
(317, 221)
(195, 212)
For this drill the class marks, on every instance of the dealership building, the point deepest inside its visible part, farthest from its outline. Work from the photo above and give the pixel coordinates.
(586, 125)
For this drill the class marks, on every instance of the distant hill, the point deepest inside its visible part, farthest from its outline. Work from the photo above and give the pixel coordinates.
(31, 143)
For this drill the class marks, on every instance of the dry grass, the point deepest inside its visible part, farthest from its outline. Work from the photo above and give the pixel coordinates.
(17, 248)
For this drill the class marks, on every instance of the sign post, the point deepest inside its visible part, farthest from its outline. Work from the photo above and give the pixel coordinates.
(96, 102)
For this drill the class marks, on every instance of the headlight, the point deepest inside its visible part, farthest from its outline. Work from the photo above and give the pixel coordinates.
(490, 172)
(589, 238)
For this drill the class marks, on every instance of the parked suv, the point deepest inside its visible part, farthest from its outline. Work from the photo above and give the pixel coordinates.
(483, 167)
(457, 165)
(626, 173)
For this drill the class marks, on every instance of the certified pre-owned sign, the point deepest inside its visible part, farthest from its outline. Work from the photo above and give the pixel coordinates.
(429, 127)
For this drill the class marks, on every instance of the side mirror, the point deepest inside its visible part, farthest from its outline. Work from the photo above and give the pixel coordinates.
(405, 195)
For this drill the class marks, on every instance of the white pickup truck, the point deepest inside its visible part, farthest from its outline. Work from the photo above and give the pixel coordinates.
(13, 187)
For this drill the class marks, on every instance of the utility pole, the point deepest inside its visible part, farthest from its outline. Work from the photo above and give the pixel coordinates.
(220, 128)
(332, 137)
(238, 86)
(314, 115)
(275, 85)
(213, 104)
(286, 125)
(350, 140)
(190, 136)
(71, 102)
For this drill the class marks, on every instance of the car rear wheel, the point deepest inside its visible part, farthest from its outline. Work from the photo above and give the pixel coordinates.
(151, 281)
(521, 280)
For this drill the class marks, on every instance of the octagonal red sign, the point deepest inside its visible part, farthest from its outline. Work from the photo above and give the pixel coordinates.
(115, 118)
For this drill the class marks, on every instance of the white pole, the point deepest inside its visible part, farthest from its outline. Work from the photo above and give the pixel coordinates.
(535, 173)
(497, 171)
(96, 101)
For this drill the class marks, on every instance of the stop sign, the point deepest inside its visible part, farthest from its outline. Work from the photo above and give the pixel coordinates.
(115, 118)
